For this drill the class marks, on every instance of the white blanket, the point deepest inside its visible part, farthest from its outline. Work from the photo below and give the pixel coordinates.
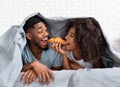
(80, 78)
(11, 46)
(61, 80)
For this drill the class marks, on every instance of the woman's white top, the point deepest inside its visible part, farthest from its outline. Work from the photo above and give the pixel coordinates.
(80, 62)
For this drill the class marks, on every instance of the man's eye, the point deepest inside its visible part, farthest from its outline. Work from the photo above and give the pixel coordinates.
(40, 31)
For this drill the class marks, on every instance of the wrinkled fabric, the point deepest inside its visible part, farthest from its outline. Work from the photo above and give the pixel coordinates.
(61, 80)
(11, 46)
(95, 78)
(13, 41)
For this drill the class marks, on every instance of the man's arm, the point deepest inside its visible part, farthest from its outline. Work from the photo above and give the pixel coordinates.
(27, 67)
(45, 74)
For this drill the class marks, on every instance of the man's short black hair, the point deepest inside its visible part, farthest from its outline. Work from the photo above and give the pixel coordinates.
(32, 21)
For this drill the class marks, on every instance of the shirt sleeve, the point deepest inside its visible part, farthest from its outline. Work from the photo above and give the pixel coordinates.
(25, 58)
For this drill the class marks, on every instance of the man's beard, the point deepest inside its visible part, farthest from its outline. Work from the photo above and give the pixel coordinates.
(37, 45)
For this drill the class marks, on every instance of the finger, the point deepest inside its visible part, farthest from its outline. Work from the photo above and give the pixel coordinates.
(24, 76)
(31, 77)
(51, 74)
(57, 46)
(35, 76)
(53, 46)
(40, 77)
(48, 78)
(43, 79)
(28, 76)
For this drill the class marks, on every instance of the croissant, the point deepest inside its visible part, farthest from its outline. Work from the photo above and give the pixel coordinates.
(59, 39)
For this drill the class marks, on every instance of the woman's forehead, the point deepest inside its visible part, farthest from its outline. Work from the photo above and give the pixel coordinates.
(72, 30)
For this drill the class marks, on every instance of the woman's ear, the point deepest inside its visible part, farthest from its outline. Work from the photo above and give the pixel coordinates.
(29, 36)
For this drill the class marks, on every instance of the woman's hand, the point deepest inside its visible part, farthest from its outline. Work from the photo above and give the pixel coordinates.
(28, 76)
(58, 48)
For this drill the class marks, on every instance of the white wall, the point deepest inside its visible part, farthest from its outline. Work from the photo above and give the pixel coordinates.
(107, 12)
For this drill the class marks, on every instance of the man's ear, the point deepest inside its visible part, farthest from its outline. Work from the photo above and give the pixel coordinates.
(29, 36)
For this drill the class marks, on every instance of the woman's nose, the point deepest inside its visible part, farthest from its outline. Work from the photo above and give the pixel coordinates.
(66, 37)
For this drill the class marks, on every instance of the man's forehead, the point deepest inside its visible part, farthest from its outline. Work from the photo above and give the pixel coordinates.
(40, 24)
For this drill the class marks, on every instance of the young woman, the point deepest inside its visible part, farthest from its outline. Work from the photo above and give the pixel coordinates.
(85, 44)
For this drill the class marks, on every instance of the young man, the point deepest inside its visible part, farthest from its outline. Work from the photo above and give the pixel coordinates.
(38, 58)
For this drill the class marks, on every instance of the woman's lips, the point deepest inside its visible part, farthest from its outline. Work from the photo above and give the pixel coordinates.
(67, 43)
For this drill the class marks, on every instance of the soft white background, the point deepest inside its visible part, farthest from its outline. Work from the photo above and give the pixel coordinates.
(107, 12)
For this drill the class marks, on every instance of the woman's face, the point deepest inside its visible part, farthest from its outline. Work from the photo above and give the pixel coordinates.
(70, 39)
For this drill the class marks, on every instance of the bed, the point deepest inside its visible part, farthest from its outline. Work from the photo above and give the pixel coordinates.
(13, 41)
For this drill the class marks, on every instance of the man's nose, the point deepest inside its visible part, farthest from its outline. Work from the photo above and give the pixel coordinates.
(46, 33)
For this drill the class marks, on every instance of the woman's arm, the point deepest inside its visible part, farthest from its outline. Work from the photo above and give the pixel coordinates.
(57, 68)
(74, 65)
(65, 62)
(58, 48)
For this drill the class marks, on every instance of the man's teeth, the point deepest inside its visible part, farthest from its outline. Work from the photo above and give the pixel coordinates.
(45, 39)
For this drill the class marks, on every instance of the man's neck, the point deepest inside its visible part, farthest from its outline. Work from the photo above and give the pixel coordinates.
(35, 51)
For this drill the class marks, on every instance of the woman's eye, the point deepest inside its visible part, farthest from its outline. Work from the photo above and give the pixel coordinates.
(71, 35)
(46, 30)
(40, 27)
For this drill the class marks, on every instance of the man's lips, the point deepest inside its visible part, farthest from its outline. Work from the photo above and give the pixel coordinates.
(45, 41)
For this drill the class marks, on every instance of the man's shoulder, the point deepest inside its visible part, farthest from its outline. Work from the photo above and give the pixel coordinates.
(25, 50)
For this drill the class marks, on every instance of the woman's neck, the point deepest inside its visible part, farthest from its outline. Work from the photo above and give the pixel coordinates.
(76, 54)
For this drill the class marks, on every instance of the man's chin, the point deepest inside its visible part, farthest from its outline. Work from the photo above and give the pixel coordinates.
(45, 48)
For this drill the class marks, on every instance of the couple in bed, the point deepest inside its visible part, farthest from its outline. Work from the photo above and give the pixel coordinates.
(85, 43)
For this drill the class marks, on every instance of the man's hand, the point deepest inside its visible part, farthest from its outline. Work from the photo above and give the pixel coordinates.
(45, 74)
(26, 67)
(29, 76)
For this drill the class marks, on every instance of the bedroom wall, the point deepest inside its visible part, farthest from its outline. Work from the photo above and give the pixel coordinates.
(13, 12)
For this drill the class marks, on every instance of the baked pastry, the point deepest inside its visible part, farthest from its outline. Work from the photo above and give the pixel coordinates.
(59, 39)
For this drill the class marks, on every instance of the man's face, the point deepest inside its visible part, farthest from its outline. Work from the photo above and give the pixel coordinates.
(39, 35)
